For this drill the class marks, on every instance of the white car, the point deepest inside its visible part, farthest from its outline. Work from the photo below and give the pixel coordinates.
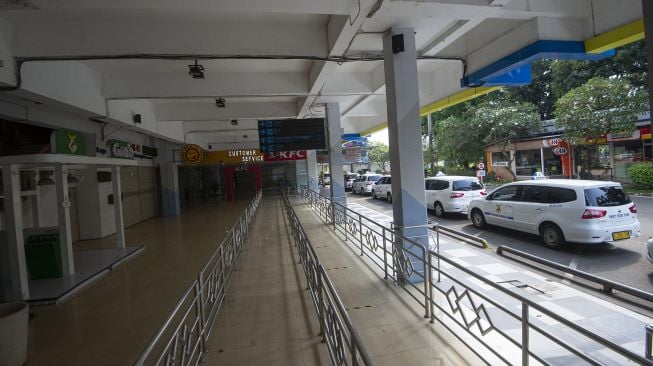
(450, 193)
(383, 188)
(349, 180)
(365, 183)
(559, 210)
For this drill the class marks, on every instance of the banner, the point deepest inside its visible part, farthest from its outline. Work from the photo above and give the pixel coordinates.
(68, 142)
(285, 155)
(120, 149)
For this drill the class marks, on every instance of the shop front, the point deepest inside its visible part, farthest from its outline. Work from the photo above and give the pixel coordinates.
(549, 156)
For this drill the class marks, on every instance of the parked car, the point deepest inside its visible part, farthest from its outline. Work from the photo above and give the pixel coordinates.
(452, 194)
(383, 188)
(349, 180)
(560, 210)
(364, 183)
(326, 179)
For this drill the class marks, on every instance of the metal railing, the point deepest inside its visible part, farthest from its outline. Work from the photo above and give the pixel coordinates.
(608, 286)
(337, 331)
(459, 235)
(181, 340)
(465, 302)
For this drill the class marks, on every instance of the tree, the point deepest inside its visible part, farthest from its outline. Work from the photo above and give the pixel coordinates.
(599, 107)
(378, 154)
(458, 141)
(503, 121)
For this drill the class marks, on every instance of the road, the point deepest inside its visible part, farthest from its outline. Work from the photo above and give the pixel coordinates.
(623, 261)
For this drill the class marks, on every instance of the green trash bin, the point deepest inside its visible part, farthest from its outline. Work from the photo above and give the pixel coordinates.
(43, 256)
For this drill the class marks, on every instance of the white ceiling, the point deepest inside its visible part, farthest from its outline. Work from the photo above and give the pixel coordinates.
(476, 31)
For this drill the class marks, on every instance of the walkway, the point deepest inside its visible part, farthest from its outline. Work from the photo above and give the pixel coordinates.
(111, 321)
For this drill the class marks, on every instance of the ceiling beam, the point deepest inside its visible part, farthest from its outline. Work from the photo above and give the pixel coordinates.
(207, 111)
(341, 31)
(135, 37)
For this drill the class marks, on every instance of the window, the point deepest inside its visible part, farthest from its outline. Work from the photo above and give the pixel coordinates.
(373, 178)
(560, 195)
(535, 194)
(528, 162)
(436, 185)
(606, 196)
(383, 180)
(509, 193)
(500, 159)
(388, 180)
(467, 185)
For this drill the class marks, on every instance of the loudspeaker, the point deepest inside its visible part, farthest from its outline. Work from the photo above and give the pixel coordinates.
(398, 43)
(137, 118)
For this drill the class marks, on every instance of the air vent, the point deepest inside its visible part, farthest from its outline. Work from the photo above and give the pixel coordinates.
(17, 5)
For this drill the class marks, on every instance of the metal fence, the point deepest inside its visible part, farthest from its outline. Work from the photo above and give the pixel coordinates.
(344, 344)
(505, 328)
(181, 340)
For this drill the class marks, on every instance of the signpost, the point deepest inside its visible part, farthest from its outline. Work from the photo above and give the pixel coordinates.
(291, 134)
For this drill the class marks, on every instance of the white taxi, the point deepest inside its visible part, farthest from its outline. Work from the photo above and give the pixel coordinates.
(559, 210)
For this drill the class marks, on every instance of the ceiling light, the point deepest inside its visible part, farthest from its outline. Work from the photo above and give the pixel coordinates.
(234, 122)
(244, 136)
(196, 71)
(220, 103)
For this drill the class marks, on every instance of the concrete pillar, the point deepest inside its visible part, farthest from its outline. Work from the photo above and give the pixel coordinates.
(169, 180)
(311, 167)
(647, 11)
(117, 207)
(63, 214)
(404, 132)
(14, 266)
(335, 153)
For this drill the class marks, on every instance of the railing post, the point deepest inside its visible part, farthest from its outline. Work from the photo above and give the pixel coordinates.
(333, 214)
(320, 295)
(649, 341)
(385, 255)
(360, 231)
(431, 305)
(427, 280)
(524, 334)
(200, 310)
(437, 248)
(345, 223)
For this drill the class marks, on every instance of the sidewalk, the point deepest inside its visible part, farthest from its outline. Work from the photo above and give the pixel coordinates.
(617, 324)
(391, 325)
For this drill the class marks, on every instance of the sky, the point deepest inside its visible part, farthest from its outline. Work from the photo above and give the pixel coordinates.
(380, 136)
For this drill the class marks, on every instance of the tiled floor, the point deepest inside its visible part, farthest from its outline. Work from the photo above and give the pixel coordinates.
(110, 322)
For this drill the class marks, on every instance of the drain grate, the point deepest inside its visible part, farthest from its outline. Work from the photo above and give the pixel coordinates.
(524, 286)
(360, 307)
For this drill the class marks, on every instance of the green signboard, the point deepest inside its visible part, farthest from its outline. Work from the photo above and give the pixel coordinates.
(69, 142)
(120, 149)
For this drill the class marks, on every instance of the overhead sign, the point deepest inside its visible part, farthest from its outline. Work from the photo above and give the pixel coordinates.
(192, 154)
(285, 155)
(120, 149)
(561, 151)
(291, 134)
(68, 142)
(624, 136)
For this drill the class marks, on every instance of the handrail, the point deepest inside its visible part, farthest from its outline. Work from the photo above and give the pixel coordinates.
(460, 304)
(181, 339)
(608, 285)
(458, 234)
(336, 328)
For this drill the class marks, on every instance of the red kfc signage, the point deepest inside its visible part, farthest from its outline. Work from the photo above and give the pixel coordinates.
(285, 155)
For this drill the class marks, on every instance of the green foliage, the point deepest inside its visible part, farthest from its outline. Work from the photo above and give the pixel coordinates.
(641, 174)
(598, 107)
(379, 154)
(539, 92)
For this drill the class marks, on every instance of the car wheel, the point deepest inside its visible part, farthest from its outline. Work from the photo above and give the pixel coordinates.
(478, 220)
(439, 210)
(389, 198)
(552, 236)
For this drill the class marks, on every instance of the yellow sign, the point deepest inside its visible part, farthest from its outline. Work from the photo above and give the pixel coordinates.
(192, 154)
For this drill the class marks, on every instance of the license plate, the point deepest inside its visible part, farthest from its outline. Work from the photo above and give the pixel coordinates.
(621, 235)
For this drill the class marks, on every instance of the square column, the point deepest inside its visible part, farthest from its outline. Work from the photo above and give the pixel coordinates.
(170, 203)
(335, 153)
(63, 213)
(311, 167)
(405, 137)
(14, 266)
(117, 207)
(647, 11)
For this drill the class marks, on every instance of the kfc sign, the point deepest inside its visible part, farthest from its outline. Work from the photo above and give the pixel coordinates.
(285, 155)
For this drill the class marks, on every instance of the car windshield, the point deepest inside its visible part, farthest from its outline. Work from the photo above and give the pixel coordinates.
(373, 178)
(606, 196)
(467, 185)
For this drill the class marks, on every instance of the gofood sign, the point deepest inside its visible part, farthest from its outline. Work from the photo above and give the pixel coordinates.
(120, 149)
